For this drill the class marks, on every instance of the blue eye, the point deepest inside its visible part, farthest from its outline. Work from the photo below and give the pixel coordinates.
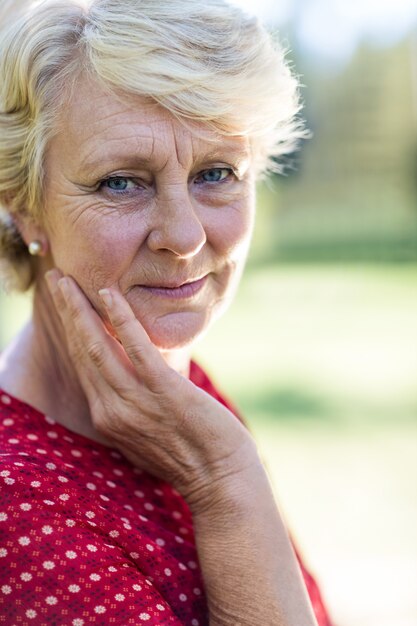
(120, 185)
(117, 184)
(214, 175)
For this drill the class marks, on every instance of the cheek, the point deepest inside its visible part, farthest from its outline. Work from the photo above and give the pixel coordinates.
(229, 232)
(95, 251)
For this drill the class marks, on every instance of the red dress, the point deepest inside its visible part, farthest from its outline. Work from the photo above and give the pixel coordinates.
(87, 538)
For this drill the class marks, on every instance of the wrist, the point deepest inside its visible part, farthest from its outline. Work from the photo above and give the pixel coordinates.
(229, 489)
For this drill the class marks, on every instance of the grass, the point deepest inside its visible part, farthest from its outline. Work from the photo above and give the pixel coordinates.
(322, 362)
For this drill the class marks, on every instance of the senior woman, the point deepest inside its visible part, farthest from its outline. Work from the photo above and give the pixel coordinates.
(132, 133)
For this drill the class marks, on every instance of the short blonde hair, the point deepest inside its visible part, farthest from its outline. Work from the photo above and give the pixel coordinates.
(203, 60)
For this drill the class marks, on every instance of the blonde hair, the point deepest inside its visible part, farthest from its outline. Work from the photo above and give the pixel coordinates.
(203, 60)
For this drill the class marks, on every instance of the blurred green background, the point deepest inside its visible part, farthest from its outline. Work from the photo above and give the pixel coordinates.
(319, 350)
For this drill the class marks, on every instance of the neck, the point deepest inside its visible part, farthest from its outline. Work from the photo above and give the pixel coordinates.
(37, 368)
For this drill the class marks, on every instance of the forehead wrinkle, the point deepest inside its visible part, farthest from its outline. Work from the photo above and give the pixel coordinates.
(182, 146)
(183, 140)
(108, 151)
(229, 151)
(159, 152)
(78, 119)
(147, 133)
(123, 130)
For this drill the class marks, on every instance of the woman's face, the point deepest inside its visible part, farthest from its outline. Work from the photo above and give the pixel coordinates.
(134, 200)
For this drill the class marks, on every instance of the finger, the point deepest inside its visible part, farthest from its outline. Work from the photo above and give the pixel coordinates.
(97, 356)
(145, 357)
(53, 277)
(75, 347)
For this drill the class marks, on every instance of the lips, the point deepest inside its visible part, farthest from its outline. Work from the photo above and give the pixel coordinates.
(176, 289)
(174, 284)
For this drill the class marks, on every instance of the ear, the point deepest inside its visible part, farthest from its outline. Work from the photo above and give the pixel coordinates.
(30, 230)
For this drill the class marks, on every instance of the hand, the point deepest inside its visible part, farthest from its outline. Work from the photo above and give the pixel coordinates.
(168, 426)
(157, 418)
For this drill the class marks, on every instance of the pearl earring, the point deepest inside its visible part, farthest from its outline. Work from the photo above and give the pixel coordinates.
(35, 247)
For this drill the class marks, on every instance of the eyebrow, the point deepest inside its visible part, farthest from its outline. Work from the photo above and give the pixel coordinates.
(98, 164)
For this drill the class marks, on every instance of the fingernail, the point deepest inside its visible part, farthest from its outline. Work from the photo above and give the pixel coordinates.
(51, 280)
(107, 297)
(63, 285)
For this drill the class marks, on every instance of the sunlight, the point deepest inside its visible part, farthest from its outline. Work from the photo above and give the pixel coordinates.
(333, 28)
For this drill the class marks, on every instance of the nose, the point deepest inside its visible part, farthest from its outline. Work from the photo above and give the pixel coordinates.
(177, 227)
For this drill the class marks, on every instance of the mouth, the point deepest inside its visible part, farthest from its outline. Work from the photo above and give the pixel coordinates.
(176, 289)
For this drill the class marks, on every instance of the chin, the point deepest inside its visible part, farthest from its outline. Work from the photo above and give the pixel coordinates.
(176, 330)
